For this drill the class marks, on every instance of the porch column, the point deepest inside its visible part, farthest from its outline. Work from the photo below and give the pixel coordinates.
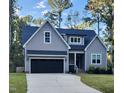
(75, 62)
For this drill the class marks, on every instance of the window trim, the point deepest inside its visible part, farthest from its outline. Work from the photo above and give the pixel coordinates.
(45, 37)
(96, 58)
(75, 43)
(83, 40)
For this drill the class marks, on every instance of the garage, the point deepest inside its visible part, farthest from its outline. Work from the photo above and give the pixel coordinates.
(47, 65)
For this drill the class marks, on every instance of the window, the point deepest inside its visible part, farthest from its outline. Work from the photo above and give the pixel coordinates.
(75, 40)
(47, 37)
(96, 58)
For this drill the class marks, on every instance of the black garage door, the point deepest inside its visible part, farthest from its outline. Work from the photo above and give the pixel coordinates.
(46, 66)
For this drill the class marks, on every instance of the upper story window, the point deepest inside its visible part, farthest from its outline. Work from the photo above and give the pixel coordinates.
(47, 37)
(75, 40)
(96, 58)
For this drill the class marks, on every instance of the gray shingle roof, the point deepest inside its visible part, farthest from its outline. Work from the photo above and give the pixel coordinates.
(28, 31)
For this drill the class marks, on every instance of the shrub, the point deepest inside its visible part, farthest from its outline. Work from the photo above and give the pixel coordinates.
(12, 68)
(97, 70)
(91, 69)
(103, 70)
(109, 68)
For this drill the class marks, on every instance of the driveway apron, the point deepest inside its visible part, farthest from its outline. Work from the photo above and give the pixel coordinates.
(57, 83)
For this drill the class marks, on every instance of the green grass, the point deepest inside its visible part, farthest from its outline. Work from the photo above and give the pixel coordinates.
(17, 83)
(103, 83)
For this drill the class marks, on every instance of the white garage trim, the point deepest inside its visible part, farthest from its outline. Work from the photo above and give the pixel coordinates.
(25, 60)
(45, 58)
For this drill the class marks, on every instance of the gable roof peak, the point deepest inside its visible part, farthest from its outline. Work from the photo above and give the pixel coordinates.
(39, 30)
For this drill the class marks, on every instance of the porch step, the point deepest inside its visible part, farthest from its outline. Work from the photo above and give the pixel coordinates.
(80, 71)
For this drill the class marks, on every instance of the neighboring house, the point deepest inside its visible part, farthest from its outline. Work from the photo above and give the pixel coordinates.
(55, 50)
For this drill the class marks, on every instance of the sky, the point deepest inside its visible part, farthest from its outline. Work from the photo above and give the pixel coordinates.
(37, 8)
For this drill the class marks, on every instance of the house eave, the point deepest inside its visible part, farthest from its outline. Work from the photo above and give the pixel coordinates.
(38, 31)
(93, 40)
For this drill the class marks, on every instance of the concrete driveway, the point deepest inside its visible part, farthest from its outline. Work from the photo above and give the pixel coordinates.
(57, 83)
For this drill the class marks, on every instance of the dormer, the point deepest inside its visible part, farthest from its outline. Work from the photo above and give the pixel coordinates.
(76, 40)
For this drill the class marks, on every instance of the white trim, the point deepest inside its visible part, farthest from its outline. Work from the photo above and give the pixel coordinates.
(85, 61)
(68, 59)
(102, 42)
(83, 40)
(78, 52)
(96, 58)
(25, 59)
(29, 65)
(93, 40)
(64, 65)
(45, 37)
(39, 30)
(90, 43)
(75, 43)
(45, 58)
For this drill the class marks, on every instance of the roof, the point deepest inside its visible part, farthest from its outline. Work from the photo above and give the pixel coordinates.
(71, 32)
(63, 40)
(28, 31)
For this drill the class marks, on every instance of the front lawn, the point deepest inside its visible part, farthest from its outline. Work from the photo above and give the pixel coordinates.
(103, 83)
(17, 83)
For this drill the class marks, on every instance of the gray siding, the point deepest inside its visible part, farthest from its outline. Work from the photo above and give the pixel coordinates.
(96, 47)
(37, 42)
(46, 52)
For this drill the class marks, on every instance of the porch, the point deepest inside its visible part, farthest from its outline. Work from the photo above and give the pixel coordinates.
(76, 61)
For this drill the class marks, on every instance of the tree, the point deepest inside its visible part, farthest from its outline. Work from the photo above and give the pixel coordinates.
(16, 50)
(12, 8)
(15, 30)
(73, 19)
(76, 21)
(27, 19)
(105, 10)
(38, 21)
(52, 17)
(58, 6)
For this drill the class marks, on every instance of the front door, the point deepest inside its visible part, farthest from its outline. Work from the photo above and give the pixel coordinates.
(80, 61)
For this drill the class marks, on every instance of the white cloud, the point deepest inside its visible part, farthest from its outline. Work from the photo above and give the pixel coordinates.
(65, 14)
(17, 11)
(44, 12)
(40, 5)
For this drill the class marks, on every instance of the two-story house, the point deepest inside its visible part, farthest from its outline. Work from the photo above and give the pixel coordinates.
(55, 50)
